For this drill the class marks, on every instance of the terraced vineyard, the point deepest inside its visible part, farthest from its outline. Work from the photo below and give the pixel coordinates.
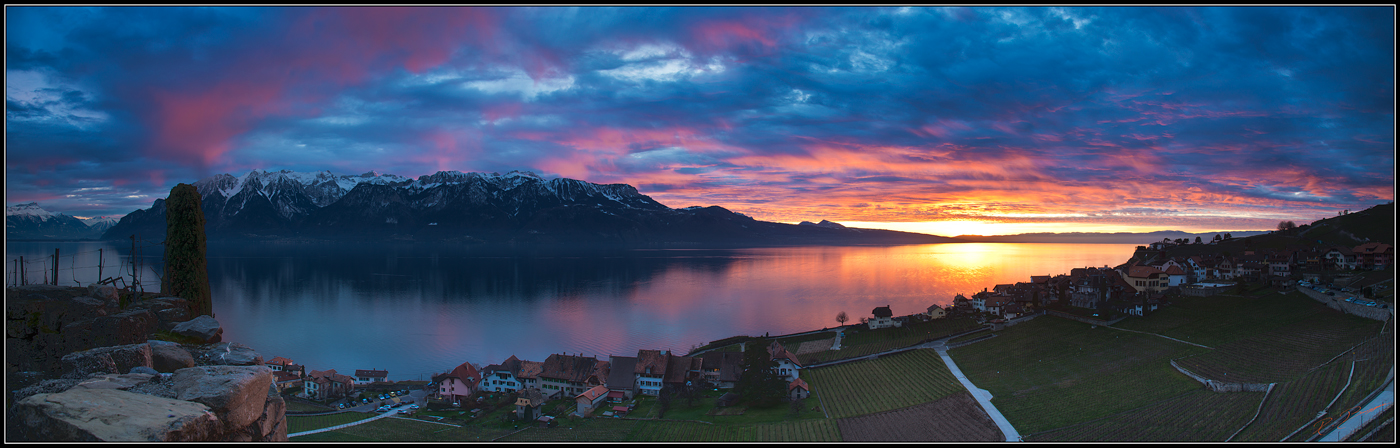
(859, 342)
(955, 418)
(590, 430)
(1282, 354)
(802, 431)
(887, 383)
(1198, 415)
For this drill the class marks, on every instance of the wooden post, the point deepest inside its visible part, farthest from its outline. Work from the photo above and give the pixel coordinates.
(133, 259)
(22, 280)
(55, 266)
(99, 265)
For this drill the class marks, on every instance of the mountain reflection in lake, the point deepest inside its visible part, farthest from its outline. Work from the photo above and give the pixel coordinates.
(415, 310)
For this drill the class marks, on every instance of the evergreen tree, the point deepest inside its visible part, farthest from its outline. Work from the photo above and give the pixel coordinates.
(760, 384)
(186, 265)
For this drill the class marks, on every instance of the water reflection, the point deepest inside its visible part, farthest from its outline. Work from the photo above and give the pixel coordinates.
(417, 310)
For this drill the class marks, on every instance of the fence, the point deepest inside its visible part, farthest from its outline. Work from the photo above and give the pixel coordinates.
(100, 266)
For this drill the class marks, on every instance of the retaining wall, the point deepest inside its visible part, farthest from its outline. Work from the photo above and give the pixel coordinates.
(1340, 304)
(1219, 386)
(1083, 319)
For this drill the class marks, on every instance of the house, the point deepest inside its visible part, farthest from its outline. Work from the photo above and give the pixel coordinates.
(788, 365)
(529, 405)
(278, 363)
(962, 304)
(797, 389)
(502, 377)
(650, 370)
(327, 384)
(568, 374)
(1145, 278)
(1012, 311)
(590, 399)
(1176, 275)
(622, 380)
(286, 380)
(681, 371)
(994, 304)
(1373, 256)
(935, 312)
(883, 318)
(458, 384)
(530, 374)
(1341, 258)
(722, 368)
(370, 376)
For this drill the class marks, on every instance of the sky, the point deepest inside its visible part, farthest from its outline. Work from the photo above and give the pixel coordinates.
(948, 121)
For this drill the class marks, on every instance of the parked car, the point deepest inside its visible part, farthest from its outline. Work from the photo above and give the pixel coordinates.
(413, 407)
(342, 405)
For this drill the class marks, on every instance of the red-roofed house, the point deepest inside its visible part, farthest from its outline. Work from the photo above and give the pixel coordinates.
(460, 383)
(278, 363)
(286, 380)
(788, 364)
(589, 399)
(327, 384)
(797, 389)
(1176, 275)
(1145, 278)
(370, 376)
(1374, 256)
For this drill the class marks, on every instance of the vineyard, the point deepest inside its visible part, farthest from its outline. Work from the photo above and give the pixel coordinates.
(298, 423)
(955, 418)
(1282, 354)
(590, 430)
(395, 429)
(803, 431)
(887, 383)
(1051, 373)
(861, 342)
(1293, 404)
(1198, 415)
(1216, 320)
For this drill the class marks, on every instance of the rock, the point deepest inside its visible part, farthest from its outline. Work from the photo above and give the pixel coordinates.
(44, 387)
(167, 357)
(236, 394)
(119, 382)
(115, 359)
(230, 354)
(145, 370)
(204, 328)
(109, 415)
(170, 311)
(105, 293)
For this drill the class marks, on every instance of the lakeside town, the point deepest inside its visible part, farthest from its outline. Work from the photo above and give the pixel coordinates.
(574, 386)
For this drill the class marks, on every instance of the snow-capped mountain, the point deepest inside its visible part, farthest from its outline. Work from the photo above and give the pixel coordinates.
(100, 224)
(516, 206)
(30, 221)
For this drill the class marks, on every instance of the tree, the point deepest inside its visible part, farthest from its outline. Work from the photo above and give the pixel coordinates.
(759, 384)
(1198, 240)
(663, 400)
(1285, 226)
(186, 264)
(1227, 235)
(797, 406)
(1217, 237)
(841, 318)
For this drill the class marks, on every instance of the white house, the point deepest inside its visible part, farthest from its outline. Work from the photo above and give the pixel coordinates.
(502, 377)
(883, 318)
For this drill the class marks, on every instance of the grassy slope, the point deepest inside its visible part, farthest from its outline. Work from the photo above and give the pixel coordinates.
(1050, 373)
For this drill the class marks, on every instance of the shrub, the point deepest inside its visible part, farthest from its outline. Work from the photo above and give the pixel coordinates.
(186, 265)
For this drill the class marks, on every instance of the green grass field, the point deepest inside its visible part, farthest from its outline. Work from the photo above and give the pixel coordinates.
(296, 423)
(1197, 415)
(1220, 319)
(861, 342)
(299, 406)
(1051, 373)
(405, 430)
(889, 382)
(804, 431)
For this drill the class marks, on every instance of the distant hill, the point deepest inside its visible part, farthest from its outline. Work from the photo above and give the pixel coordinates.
(1103, 238)
(32, 222)
(1350, 230)
(517, 207)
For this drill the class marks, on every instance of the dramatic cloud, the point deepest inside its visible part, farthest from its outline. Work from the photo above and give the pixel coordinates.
(1062, 118)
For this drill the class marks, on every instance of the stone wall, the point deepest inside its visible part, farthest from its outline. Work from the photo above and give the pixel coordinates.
(44, 322)
(1340, 304)
(1219, 386)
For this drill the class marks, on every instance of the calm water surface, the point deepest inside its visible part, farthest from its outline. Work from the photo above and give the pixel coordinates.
(415, 310)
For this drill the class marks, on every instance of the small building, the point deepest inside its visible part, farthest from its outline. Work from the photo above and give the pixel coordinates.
(460, 383)
(529, 405)
(650, 371)
(286, 380)
(723, 368)
(788, 365)
(935, 312)
(728, 399)
(590, 399)
(568, 375)
(370, 376)
(278, 363)
(798, 389)
(502, 377)
(883, 317)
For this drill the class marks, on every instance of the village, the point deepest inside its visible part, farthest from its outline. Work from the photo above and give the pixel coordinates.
(565, 385)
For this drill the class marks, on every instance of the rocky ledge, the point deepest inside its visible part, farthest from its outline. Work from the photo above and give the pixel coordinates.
(144, 390)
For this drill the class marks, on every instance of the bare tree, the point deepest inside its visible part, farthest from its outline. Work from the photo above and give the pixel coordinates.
(841, 318)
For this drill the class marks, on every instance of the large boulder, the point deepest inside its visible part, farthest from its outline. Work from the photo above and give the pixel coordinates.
(238, 395)
(204, 328)
(228, 354)
(169, 310)
(167, 357)
(111, 381)
(101, 360)
(110, 415)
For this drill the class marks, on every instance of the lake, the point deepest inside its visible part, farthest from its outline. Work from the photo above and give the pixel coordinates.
(415, 311)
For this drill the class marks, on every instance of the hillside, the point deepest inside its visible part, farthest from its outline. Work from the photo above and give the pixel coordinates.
(1373, 224)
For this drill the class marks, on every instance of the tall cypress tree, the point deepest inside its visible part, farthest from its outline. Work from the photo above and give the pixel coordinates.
(186, 268)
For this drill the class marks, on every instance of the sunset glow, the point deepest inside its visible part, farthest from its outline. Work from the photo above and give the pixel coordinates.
(937, 120)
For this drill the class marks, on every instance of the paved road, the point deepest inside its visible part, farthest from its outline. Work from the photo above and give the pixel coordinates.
(1363, 414)
(983, 398)
(415, 396)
